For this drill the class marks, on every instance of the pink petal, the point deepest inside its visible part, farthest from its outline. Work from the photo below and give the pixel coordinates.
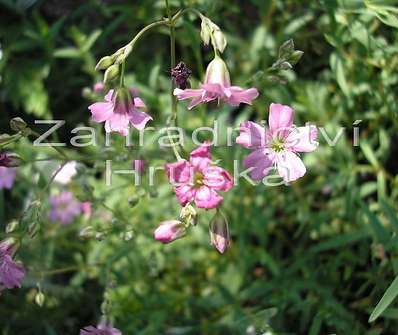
(109, 95)
(280, 119)
(252, 135)
(139, 103)
(214, 90)
(185, 194)
(239, 95)
(101, 111)
(197, 96)
(290, 167)
(179, 172)
(207, 198)
(217, 178)
(261, 161)
(139, 119)
(200, 157)
(118, 122)
(302, 139)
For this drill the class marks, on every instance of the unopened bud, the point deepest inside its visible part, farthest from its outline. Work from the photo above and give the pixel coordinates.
(111, 73)
(12, 226)
(39, 299)
(169, 231)
(219, 232)
(295, 57)
(18, 124)
(188, 215)
(104, 63)
(133, 200)
(211, 32)
(87, 232)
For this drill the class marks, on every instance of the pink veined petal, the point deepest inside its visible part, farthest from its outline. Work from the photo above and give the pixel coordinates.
(239, 95)
(139, 103)
(119, 122)
(200, 158)
(280, 119)
(302, 139)
(139, 119)
(252, 135)
(109, 95)
(188, 93)
(217, 178)
(214, 90)
(101, 111)
(290, 166)
(11, 273)
(207, 198)
(261, 162)
(179, 172)
(185, 194)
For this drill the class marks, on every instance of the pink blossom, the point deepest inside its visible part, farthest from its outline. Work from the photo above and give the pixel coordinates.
(67, 172)
(7, 177)
(11, 273)
(86, 208)
(120, 109)
(98, 87)
(198, 180)
(217, 85)
(64, 208)
(278, 146)
(169, 231)
(101, 329)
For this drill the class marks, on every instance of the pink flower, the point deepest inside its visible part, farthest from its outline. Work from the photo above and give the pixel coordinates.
(11, 273)
(86, 208)
(119, 110)
(217, 85)
(64, 208)
(277, 146)
(197, 180)
(101, 329)
(169, 231)
(7, 177)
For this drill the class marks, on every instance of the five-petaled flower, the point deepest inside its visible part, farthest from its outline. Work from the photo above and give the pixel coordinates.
(217, 85)
(11, 273)
(121, 108)
(198, 180)
(277, 146)
(64, 208)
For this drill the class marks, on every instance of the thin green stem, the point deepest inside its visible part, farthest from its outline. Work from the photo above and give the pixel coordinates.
(123, 66)
(57, 149)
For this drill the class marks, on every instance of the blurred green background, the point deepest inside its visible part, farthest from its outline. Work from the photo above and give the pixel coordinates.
(311, 258)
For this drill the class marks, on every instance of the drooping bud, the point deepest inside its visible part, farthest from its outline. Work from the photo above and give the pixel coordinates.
(9, 159)
(18, 124)
(180, 74)
(104, 63)
(219, 232)
(217, 73)
(169, 231)
(188, 215)
(211, 32)
(111, 73)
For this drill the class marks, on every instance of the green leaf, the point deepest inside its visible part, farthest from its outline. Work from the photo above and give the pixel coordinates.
(337, 65)
(69, 52)
(385, 301)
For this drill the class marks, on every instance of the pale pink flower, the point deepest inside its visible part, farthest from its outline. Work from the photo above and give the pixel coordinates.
(64, 208)
(217, 85)
(278, 146)
(67, 172)
(169, 231)
(120, 109)
(198, 180)
(11, 273)
(101, 329)
(7, 177)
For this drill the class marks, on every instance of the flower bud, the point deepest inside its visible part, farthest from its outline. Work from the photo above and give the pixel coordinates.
(295, 57)
(219, 232)
(188, 215)
(9, 159)
(39, 299)
(111, 73)
(104, 63)
(211, 32)
(17, 124)
(169, 231)
(217, 73)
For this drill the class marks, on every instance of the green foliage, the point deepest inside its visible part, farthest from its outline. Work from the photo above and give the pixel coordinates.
(313, 258)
